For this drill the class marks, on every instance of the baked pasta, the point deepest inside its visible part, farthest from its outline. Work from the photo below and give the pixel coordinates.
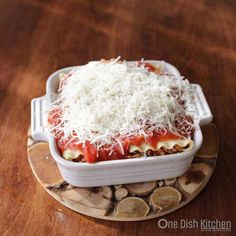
(109, 110)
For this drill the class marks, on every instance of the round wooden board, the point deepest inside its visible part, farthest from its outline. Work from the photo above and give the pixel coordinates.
(130, 202)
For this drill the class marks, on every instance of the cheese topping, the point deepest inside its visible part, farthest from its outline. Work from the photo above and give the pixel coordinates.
(101, 102)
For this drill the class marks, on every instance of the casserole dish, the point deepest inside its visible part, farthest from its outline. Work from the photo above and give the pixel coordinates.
(117, 171)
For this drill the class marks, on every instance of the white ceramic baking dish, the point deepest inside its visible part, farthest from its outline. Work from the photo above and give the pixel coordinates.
(116, 171)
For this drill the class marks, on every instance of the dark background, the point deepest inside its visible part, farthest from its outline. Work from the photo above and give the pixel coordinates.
(39, 37)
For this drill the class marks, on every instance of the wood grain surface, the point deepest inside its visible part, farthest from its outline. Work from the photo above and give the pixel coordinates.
(39, 37)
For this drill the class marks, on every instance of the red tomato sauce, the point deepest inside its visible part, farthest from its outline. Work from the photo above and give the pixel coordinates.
(54, 116)
(158, 137)
(111, 152)
(149, 66)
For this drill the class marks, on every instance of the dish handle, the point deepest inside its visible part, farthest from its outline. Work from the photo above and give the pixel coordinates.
(202, 108)
(39, 108)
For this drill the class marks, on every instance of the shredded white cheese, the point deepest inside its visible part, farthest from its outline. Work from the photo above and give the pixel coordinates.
(102, 101)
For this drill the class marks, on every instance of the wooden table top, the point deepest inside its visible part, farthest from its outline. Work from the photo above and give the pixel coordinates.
(39, 37)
